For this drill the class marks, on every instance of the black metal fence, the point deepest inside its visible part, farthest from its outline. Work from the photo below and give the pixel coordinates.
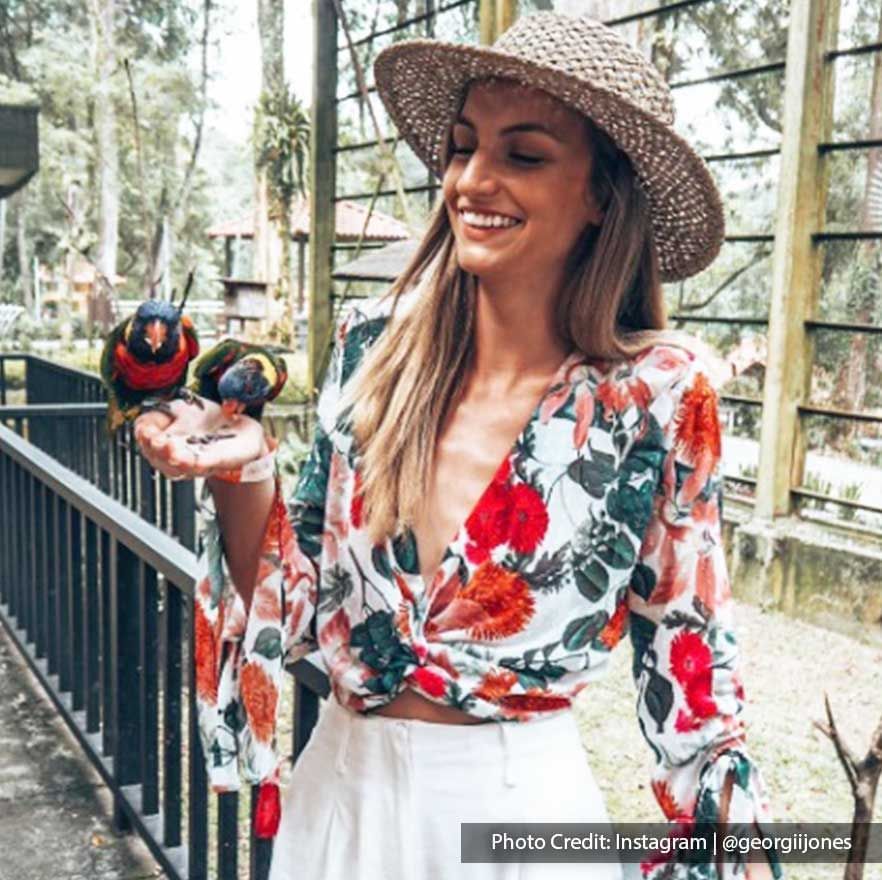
(65, 416)
(99, 604)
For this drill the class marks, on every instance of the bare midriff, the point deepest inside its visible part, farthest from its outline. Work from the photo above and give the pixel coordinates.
(410, 704)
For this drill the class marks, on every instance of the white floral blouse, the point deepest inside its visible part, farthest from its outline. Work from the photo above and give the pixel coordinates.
(603, 518)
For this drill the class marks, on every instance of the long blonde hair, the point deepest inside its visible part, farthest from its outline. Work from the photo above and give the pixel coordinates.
(610, 308)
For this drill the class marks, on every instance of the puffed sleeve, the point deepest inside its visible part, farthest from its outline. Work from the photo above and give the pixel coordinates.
(239, 657)
(690, 695)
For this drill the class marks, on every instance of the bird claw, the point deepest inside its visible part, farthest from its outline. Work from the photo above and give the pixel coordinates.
(154, 405)
(188, 396)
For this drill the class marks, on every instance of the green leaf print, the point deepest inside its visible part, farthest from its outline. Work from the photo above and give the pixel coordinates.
(380, 561)
(631, 506)
(404, 549)
(268, 643)
(593, 474)
(643, 580)
(618, 553)
(234, 716)
(546, 575)
(592, 580)
(648, 453)
(581, 631)
(335, 586)
(642, 633)
(533, 676)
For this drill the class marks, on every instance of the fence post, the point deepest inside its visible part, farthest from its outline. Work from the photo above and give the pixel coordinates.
(323, 139)
(796, 261)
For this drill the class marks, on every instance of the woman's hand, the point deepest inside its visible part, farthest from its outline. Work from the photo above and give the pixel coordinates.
(191, 442)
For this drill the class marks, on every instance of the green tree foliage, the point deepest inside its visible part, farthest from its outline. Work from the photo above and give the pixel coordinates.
(49, 45)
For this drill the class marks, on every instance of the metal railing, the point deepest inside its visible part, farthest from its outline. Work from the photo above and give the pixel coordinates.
(65, 416)
(99, 604)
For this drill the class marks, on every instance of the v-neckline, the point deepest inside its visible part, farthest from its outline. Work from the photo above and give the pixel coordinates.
(556, 380)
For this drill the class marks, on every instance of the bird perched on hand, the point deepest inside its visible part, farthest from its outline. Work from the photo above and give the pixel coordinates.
(240, 376)
(145, 358)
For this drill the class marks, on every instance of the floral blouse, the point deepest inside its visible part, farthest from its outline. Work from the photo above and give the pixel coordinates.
(602, 520)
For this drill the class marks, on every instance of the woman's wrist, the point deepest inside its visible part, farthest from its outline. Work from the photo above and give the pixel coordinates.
(257, 470)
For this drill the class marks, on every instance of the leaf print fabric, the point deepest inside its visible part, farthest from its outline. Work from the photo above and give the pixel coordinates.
(682, 628)
(603, 519)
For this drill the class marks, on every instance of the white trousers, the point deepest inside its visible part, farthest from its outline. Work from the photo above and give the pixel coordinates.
(379, 798)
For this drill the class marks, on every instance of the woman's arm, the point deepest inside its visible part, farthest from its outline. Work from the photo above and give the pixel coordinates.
(691, 697)
(242, 511)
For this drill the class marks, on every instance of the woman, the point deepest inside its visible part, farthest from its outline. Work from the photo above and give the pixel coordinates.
(515, 390)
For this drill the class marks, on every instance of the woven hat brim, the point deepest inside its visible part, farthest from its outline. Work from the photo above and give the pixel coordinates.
(421, 83)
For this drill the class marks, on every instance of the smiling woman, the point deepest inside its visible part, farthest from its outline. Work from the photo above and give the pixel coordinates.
(514, 465)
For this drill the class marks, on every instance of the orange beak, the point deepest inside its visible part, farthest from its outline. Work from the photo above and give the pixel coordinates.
(156, 333)
(231, 408)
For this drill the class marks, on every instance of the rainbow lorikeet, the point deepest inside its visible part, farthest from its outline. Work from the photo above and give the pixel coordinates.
(240, 376)
(145, 358)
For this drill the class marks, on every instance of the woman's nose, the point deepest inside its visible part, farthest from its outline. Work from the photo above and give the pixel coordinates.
(478, 176)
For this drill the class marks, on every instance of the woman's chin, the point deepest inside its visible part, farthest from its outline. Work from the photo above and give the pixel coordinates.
(482, 264)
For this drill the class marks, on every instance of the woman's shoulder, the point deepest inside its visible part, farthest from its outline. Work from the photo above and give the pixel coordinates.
(675, 360)
(670, 370)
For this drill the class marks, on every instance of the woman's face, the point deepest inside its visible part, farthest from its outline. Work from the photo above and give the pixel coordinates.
(519, 160)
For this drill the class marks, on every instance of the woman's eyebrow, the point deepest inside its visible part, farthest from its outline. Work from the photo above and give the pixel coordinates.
(520, 126)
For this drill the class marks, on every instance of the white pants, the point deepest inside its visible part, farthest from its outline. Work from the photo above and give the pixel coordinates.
(379, 798)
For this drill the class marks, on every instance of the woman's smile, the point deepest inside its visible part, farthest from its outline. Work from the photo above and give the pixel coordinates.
(481, 226)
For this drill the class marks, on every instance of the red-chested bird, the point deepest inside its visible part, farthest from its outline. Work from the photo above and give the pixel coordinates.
(145, 359)
(240, 376)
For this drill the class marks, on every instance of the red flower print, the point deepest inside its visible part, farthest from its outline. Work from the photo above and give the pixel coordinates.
(552, 402)
(402, 620)
(260, 698)
(612, 633)
(687, 723)
(665, 798)
(355, 510)
(739, 686)
(206, 651)
(488, 524)
(617, 396)
(673, 578)
(699, 695)
(529, 518)
(336, 632)
(698, 436)
(534, 700)
(495, 685)
(584, 415)
(503, 472)
(690, 657)
(505, 599)
(428, 681)
(265, 603)
(495, 603)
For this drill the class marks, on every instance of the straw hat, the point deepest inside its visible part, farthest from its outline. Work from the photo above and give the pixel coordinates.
(591, 69)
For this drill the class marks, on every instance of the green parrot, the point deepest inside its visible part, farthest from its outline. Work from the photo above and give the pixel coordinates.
(240, 376)
(145, 359)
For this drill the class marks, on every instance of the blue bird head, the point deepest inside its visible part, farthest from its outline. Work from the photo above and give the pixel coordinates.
(155, 331)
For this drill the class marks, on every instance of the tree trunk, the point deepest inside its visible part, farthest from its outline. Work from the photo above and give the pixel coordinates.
(24, 256)
(107, 148)
(271, 27)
